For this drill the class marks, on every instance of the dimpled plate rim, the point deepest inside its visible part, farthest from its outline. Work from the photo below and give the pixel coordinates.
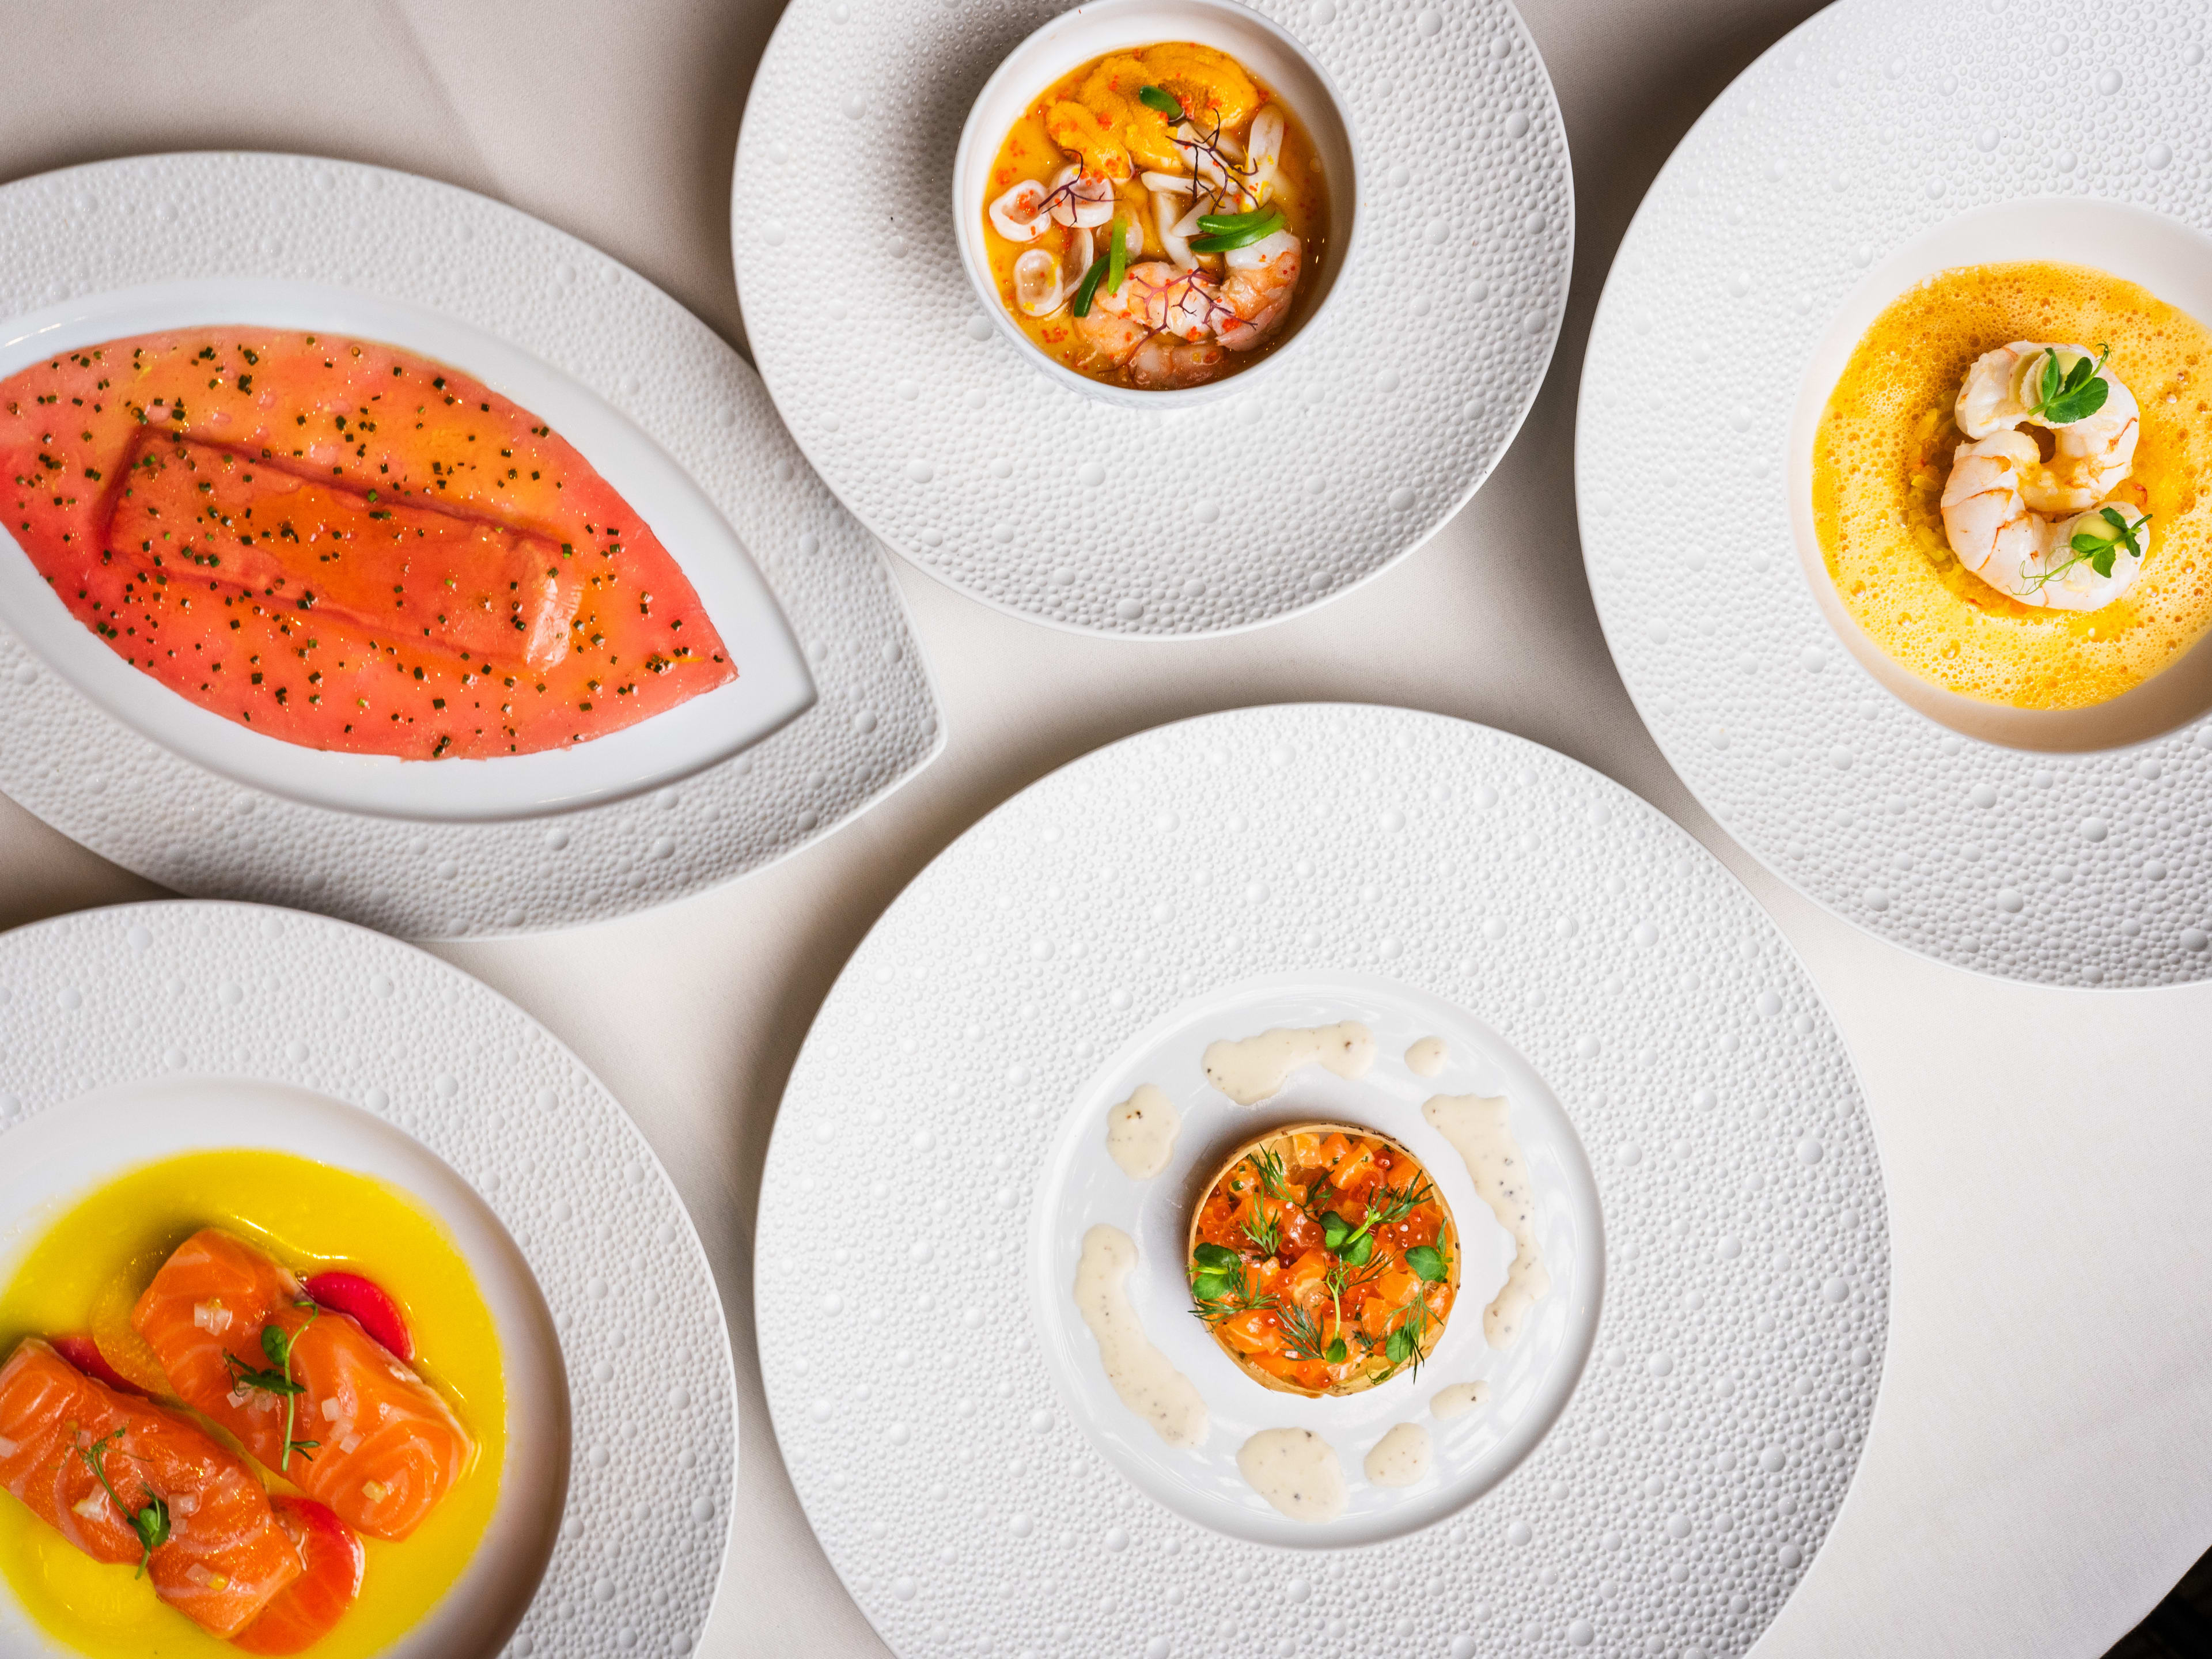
(1825, 155)
(938, 433)
(1739, 1351)
(104, 998)
(112, 225)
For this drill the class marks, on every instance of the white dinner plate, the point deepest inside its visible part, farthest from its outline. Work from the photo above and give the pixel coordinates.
(1878, 141)
(146, 1030)
(1662, 1451)
(831, 706)
(948, 440)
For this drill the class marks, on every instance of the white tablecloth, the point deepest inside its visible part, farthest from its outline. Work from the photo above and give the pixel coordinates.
(2036, 1477)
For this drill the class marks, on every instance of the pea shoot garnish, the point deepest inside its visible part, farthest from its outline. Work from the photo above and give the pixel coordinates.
(1161, 99)
(150, 1521)
(1226, 231)
(1220, 1285)
(276, 1347)
(2065, 397)
(1428, 1262)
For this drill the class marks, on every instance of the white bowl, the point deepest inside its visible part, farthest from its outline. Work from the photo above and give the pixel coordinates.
(1091, 31)
(2169, 259)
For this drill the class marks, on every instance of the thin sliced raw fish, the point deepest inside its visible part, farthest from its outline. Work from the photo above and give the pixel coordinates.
(309, 1608)
(226, 1557)
(387, 1445)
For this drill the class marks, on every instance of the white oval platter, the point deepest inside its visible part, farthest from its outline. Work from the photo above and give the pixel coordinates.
(947, 440)
(816, 726)
(149, 1030)
(1840, 163)
(1662, 1479)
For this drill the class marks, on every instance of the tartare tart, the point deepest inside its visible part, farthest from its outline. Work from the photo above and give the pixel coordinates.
(1324, 1260)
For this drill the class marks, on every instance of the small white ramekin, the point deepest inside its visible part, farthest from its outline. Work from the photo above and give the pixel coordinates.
(1094, 29)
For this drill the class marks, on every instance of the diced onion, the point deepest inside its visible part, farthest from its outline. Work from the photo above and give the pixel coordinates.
(375, 1490)
(199, 1575)
(330, 1409)
(185, 1503)
(92, 1506)
(8, 1448)
(212, 1317)
(350, 1444)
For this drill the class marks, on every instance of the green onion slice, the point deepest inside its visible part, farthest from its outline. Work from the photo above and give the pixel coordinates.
(1224, 231)
(1117, 252)
(1088, 286)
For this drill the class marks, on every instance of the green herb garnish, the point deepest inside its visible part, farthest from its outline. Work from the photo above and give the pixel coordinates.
(1085, 289)
(1299, 1327)
(150, 1523)
(1266, 1235)
(1269, 1166)
(1117, 255)
(1161, 99)
(276, 1345)
(1226, 231)
(2073, 395)
(1428, 1262)
(2100, 551)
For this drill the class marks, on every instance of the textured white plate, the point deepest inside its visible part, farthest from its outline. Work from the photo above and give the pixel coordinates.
(1840, 160)
(152, 1029)
(964, 1485)
(660, 813)
(948, 442)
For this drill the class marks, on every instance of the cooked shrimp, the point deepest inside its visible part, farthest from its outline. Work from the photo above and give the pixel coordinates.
(1183, 303)
(1111, 335)
(1262, 278)
(2091, 455)
(1164, 363)
(1999, 537)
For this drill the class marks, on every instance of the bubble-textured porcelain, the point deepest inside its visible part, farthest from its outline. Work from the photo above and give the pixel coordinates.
(276, 220)
(1837, 155)
(141, 998)
(1700, 1458)
(946, 438)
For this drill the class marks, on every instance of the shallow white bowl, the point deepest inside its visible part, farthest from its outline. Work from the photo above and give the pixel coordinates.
(1091, 31)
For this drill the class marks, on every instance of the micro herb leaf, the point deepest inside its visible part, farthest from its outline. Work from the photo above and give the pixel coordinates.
(276, 1345)
(150, 1521)
(1161, 99)
(1428, 1262)
(1335, 1229)
(1400, 1348)
(1357, 1253)
(2101, 552)
(1087, 290)
(1217, 1257)
(1335, 1353)
(2073, 395)
(1117, 255)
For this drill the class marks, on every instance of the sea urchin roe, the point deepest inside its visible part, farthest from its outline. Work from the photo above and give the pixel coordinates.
(1324, 1261)
(1147, 1382)
(1480, 1131)
(342, 545)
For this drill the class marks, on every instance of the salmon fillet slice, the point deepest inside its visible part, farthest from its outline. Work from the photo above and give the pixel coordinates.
(225, 1559)
(369, 1439)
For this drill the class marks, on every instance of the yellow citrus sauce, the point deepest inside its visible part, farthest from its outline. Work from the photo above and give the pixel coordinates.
(1883, 452)
(312, 1218)
(1030, 152)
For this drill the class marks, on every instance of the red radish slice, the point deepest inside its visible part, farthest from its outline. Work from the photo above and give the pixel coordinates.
(81, 1352)
(371, 1308)
(304, 1610)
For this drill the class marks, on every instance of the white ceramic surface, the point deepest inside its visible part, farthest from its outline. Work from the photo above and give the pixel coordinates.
(964, 1487)
(2066, 848)
(539, 841)
(946, 437)
(147, 1029)
(1529, 1383)
(772, 687)
(1091, 30)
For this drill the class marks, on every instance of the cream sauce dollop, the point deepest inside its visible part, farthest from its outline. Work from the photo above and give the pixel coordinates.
(1400, 1457)
(1148, 1384)
(1458, 1400)
(1251, 1069)
(1427, 1057)
(1297, 1471)
(1477, 1126)
(1140, 1132)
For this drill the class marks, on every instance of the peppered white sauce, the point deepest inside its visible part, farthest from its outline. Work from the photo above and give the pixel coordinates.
(1477, 1126)
(1140, 1132)
(1297, 1471)
(1400, 1457)
(1139, 1372)
(1251, 1069)
(1458, 1400)
(1427, 1056)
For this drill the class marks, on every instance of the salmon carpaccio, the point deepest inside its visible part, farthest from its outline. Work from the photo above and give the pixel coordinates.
(225, 1557)
(342, 545)
(388, 1447)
